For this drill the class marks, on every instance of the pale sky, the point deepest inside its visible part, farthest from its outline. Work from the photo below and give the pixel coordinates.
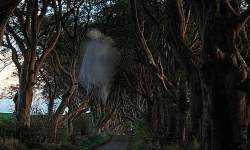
(6, 106)
(5, 77)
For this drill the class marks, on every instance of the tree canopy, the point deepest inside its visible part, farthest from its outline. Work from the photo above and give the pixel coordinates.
(180, 74)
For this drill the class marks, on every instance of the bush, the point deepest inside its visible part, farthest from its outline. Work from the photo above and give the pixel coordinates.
(49, 146)
(33, 135)
(8, 126)
(13, 144)
(143, 137)
(69, 146)
(93, 140)
(82, 125)
(62, 135)
(38, 128)
(74, 138)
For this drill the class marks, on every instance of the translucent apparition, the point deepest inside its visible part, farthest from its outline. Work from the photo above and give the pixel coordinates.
(99, 63)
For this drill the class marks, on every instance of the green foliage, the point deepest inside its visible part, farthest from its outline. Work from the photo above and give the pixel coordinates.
(82, 138)
(193, 145)
(38, 133)
(69, 146)
(143, 136)
(34, 135)
(62, 135)
(13, 144)
(8, 126)
(83, 125)
(75, 141)
(38, 128)
(79, 144)
(93, 141)
(49, 146)
(6, 115)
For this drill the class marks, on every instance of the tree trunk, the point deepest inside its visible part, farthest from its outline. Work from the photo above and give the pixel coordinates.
(184, 57)
(27, 41)
(70, 125)
(52, 130)
(151, 114)
(51, 105)
(97, 126)
(6, 9)
(195, 104)
(224, 74)
(5, 17)
(183, 112)
(173, 123)
(55, 118)
(24, 106)
(25, 95)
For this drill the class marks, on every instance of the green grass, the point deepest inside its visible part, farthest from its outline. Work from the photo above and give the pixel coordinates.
(6, 115)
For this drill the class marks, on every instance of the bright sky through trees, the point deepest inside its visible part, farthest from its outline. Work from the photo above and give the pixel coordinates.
(5, 77)
(6, 106)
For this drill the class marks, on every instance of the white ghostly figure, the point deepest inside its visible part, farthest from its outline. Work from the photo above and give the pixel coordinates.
(99, 62)
(94, 34)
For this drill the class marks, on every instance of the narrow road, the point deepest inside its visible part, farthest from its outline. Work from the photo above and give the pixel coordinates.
(118, 142)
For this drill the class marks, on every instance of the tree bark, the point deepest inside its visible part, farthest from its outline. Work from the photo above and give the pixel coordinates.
(52, 130)
(184, 56)
(151, 114)
(6, 9)
(183, 112)
(30, 26)
(55, 118)
(25, 94)
(224, 75)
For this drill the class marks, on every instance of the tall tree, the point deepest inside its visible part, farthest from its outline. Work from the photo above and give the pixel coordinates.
(172, 32)
(66, 55)
(178, 23)
(224, 72)
(35, 38)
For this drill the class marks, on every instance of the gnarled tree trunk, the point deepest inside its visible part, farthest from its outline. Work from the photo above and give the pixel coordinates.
(28, 43)
(178, 27)
(6, 9)
(55, 118)
(224, 73)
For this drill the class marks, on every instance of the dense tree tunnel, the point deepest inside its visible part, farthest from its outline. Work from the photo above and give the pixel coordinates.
(176, 71)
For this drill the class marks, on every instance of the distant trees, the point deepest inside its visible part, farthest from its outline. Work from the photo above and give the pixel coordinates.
(163, 57)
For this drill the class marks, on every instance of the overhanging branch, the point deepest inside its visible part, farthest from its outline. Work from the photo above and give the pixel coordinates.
(240, 21)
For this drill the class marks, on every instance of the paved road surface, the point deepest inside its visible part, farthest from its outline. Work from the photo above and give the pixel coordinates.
(118, 142)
